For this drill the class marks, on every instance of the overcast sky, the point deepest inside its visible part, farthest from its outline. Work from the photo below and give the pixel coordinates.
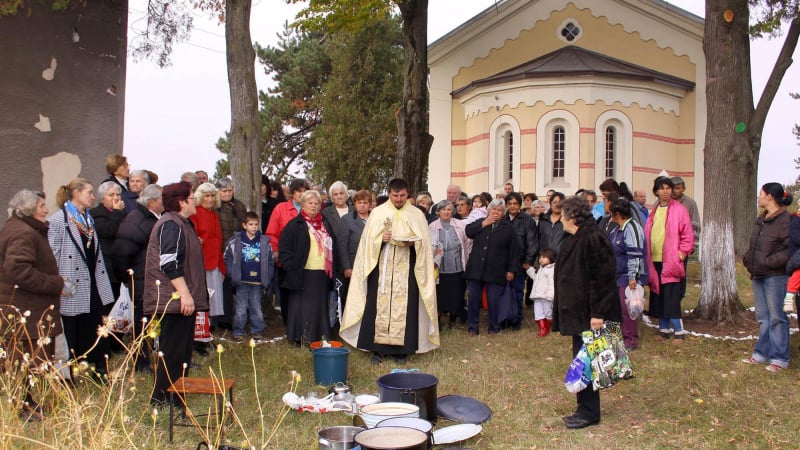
(174, 116)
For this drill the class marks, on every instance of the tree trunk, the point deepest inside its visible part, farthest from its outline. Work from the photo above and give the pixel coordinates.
(733, 146)
(727, 153)
(413, 140)
(245, 134)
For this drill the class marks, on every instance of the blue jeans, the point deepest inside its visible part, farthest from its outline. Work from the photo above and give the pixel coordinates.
(474, 298)
(248, 300)
(665, 325)
(773, 334)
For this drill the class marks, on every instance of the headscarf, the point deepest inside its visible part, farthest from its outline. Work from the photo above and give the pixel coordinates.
(324, 241)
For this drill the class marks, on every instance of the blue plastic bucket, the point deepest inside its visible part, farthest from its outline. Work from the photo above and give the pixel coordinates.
(330, 365)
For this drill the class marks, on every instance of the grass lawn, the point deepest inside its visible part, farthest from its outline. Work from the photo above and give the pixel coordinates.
(696, 395)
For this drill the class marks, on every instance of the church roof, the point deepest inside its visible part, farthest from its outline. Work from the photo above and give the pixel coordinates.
(574, 61)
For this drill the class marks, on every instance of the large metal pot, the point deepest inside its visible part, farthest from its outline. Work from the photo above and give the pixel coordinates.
(410, 422)
(338, 438)
(392, 438)
(411, 387)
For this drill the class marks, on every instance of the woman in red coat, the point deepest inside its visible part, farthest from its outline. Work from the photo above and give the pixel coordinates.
(209, 231)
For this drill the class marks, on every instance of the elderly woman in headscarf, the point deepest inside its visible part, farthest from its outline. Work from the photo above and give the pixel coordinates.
(305, 251)
(451, 250)
(73, 239)
(29, 281)
(209, 231)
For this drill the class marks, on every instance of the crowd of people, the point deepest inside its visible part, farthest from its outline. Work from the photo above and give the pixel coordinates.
(383, 272)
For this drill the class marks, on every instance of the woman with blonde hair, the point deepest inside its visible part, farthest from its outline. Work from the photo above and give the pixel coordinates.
(209, 231)
(76, 247)
(305, 251)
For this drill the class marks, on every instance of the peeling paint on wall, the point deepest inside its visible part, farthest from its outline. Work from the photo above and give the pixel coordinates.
(43, 124)
(58, 170)
(49, 73)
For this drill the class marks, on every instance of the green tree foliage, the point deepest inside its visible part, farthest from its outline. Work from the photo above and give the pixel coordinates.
(332, 109)
(289, 111)
(357, 138)
(771, 15)
(12, 7)
(413, 140)
(223, 166)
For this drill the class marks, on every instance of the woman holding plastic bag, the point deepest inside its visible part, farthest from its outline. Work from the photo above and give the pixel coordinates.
(631, 255)
(585, 292)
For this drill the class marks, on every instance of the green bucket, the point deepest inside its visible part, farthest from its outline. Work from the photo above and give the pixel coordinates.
(330, 365)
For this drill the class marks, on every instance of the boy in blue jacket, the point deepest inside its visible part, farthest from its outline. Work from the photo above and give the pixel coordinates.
(248, 258)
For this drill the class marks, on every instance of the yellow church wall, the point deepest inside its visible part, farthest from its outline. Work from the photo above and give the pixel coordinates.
(658, 144)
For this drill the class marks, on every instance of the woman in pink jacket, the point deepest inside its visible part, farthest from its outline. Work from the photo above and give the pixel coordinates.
(669, 233)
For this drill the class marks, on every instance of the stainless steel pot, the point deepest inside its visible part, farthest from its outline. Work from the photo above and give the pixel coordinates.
(338, 438)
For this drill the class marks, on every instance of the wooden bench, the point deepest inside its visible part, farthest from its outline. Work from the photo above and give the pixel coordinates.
(184, 386)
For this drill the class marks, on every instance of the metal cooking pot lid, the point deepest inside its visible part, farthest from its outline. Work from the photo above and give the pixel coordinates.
(459, 408)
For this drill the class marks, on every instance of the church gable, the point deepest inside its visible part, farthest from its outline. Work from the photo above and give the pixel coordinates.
(578, 91)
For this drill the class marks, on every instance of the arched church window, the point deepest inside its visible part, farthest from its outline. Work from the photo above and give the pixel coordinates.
(611, 152)
(559, 151)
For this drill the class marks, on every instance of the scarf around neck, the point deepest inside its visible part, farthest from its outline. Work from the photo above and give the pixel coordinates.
(84, 221)
(324, 241)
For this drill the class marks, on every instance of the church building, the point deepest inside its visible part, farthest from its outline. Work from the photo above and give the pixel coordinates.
(562, 94)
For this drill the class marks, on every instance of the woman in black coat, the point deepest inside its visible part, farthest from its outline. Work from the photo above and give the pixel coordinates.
(130, 253)
(107, 217)
(309, 271)
(492, 262)
(585, 292)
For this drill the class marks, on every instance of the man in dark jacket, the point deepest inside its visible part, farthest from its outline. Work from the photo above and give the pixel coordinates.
(129, 252)
(232, 214)
(527, 248)
(492, 263)
(551, 231)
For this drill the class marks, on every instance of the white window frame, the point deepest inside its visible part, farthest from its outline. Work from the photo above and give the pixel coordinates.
(623, 158)
(544, 152)
(498, 156)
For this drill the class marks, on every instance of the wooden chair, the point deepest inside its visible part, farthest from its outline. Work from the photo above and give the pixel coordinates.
(184, 386)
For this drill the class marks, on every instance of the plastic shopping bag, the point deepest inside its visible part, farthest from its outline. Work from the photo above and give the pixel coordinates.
(609, 358)
(579, 373)
(634, 298)
(202, 327)
(120, 320)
